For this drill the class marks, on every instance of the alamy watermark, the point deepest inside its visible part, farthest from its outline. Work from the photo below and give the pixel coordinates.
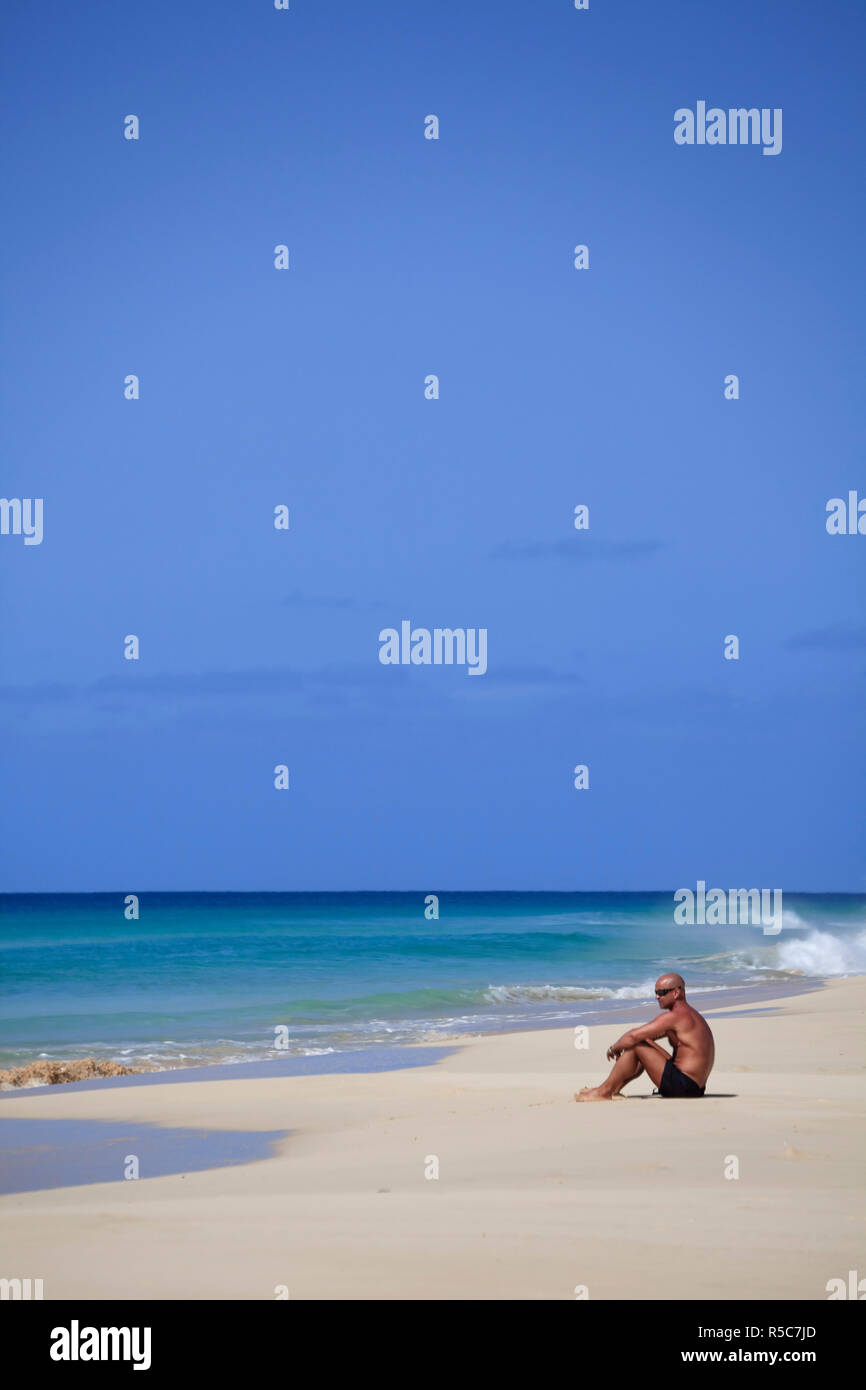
(22, 516)
(77, 1343)
(736, 126)
(444, 646)
(22, 1289)
(854, 1289)
(745, 907)
(846, 518)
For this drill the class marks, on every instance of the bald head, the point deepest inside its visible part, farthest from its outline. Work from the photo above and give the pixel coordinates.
(669, 989)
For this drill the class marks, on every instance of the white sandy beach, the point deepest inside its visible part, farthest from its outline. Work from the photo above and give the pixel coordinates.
(535, 1195)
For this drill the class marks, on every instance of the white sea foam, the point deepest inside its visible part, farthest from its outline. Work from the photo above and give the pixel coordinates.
(514, 994)
(792, 921)
(822, 953)
(818, 953)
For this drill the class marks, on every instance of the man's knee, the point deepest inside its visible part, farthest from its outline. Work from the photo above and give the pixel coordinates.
(653, 1060)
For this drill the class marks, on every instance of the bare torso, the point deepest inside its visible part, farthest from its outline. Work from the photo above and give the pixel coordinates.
(694, 1050)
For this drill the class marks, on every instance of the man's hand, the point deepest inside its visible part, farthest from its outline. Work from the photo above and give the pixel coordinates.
(619, 1047)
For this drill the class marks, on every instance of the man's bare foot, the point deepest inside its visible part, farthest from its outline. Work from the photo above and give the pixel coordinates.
(591, 1093)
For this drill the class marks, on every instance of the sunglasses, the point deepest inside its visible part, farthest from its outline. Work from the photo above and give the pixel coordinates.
(660, 992)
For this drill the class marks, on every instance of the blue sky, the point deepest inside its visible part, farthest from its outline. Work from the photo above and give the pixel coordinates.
(306, 387)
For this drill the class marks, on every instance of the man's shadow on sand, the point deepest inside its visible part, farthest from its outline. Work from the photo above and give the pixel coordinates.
(708, 1095)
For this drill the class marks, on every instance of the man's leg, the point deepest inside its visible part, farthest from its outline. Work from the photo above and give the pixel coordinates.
(626, 1067)
(647, 1056)
(654, 1059)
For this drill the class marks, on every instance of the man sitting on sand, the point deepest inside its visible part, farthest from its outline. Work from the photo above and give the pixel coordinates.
(685, 1073)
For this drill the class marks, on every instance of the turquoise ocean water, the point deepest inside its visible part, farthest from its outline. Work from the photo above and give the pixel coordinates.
(210, 977)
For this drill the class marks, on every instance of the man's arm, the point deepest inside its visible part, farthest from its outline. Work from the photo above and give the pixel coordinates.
(647, 1032)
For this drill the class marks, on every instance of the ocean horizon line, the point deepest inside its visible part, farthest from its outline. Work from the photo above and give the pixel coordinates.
(399, 892)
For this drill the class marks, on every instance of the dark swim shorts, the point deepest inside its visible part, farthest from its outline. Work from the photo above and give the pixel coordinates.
(675, 1084)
